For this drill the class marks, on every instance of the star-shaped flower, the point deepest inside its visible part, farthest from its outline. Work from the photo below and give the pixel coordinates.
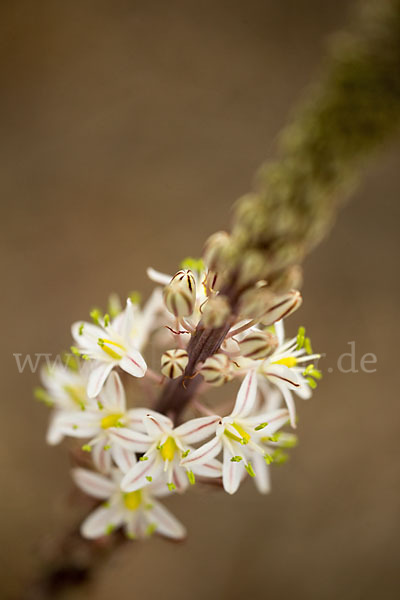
(166, 446)
(242, 437)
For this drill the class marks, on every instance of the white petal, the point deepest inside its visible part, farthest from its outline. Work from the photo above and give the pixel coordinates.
(123, 458)
(283, 374)
(247, 396)
(54, 433)
(212, 468)
(232, 473)
(129, 439)
(288, 397)
(86, 336)
(280, 331)
(203, 454)
(156, 426)
(94, 484)
(262, 472)
(133, 363)
(196, 430)
(136, 477)
(113, 394)
(158, 277)
(179, 478)
(101, 457)
(97, 378)
(137, 418)
(166, 523)
(98, 522)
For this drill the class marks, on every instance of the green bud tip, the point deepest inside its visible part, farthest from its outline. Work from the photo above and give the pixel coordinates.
(194, 264)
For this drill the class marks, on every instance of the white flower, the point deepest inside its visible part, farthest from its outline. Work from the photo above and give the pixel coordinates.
(286, 370)
(166, 446)
(107, 423)
(64, 390)
(137, 512)
(109, 344)
(242, 436)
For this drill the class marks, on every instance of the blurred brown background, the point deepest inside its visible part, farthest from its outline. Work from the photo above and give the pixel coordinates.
(127, 130)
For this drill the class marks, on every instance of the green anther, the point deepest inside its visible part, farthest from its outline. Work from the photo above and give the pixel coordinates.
(171, 487)
(232, 436)
(130, 536)
(300, 338)
(95, 315)
(290, 441)
(307, 345)
(135, 297)
(114, 305)
(191, 477)
(86, 448)
(261, 426)
(268, 459)
(151, 529)
(274, 437)
(100, 405)
(184, 454)
(236, 458)
(149, 506)
(312, 383)
(75, 351)
(249, 469)
(74, 426)
(308, 370)
(80, 331)
(280, 457)
(106, 504)
(149, 478)
(106, 320)
(109, 529)
(106, 447)
(316, 374)
(71, 362)
(41, 395)
(142, 458)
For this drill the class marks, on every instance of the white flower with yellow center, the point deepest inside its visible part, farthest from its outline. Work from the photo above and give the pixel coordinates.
(289, 368)
(138, 512)
(109, 344)
(166, 447)
(242, 437)
(107, 424)
(65, 391)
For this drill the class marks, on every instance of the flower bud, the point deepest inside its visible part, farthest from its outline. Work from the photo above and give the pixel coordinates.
(217, 369)
(180, 294)
(282, 307)
(173, 363)
(214, 247)
(216, 311)
(258, 344)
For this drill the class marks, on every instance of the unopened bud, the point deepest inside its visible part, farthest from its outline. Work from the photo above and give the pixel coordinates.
(180, 294)
(173, 363)
(255, 301)
(217, 369)
(216, 311)
(215, 246)
(258, 344)
(282, 307)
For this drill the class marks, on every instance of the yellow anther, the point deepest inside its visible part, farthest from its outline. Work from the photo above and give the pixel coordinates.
(111, 420)
(168, 449)
(133, 500)
(289, 361)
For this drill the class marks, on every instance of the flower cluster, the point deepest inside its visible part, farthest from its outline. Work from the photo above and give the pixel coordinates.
(137, 454)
